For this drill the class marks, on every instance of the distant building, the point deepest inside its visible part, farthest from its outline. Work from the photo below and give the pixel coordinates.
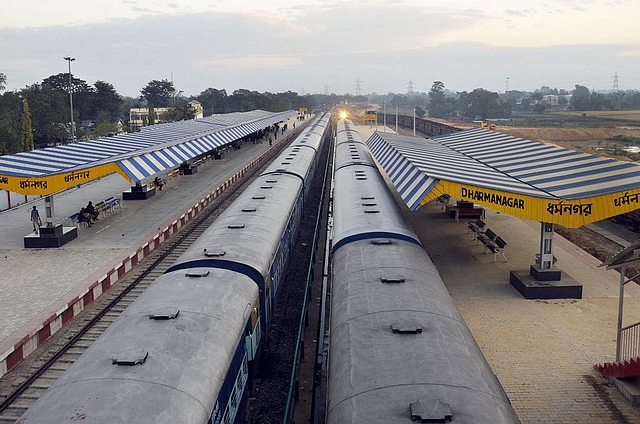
(139, 117)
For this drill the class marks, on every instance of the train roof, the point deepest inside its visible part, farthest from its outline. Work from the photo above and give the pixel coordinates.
(365, 208)
(400, 339)
(251, 226)
(183, 361)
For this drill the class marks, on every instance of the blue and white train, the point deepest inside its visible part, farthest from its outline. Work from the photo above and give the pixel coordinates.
(186, 350)
(399, 349)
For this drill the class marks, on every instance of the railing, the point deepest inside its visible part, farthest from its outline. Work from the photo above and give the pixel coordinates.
(628, 345)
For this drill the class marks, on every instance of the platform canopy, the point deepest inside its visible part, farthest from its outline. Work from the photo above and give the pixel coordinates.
(135, 156)
(524, 178)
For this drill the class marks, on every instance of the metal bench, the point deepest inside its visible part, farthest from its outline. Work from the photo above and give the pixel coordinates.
(75, 220)
(443, 200)
(476, 227)
(112, 202)
(498, 248)
(487, 237)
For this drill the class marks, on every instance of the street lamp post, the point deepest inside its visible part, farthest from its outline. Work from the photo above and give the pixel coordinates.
(73, 133)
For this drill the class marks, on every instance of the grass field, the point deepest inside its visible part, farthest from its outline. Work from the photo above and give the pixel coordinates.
(622, 115)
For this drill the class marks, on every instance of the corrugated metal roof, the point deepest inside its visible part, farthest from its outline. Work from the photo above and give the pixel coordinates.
(525, 178)
(153, 149)
(135, 156)
(565, 174)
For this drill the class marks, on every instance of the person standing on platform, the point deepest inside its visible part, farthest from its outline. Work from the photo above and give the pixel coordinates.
(270, 141)
(35, 219)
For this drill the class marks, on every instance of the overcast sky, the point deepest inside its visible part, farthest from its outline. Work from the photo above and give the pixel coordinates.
(322, 45)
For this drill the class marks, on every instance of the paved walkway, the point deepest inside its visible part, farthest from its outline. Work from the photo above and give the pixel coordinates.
(41, 288)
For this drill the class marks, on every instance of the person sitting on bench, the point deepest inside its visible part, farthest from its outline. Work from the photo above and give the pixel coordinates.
(91, 210)
(158, 183)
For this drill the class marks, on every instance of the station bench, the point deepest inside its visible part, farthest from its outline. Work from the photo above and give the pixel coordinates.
(464, 210)
(107, 205)
(476, 227)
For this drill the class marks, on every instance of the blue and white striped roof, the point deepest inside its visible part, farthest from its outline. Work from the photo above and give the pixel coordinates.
(493, 160)
(153, 149)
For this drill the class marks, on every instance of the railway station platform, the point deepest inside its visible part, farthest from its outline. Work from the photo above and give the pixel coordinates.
(542, 351)
(40, 289)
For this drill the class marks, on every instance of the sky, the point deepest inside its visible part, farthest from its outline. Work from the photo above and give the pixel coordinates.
(324, 46)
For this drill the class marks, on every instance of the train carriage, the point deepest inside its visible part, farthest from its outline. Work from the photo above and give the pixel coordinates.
(166, 358)
(399, 349)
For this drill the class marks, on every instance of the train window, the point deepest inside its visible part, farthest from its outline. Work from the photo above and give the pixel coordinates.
(371, 211)
(248, 209)
(369, 204)
(258, 197)
(361, 179)
(197, 274)
(272, 181)
(235, 226)
(286, 163)
(266, 187)
(399, 278)
(214, 253)
(367, 197)
(164, 315)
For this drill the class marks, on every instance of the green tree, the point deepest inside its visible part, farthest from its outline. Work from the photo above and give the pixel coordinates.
(10, 111)
(212, 100)
(482, 104)
(158, 93)
(152, 115)
(105, 125)
(437, 100)
(27, 130)
(179, 113)
(49, 115)
(3, 81)
(105, 99)
(83, 93)
(580, 100)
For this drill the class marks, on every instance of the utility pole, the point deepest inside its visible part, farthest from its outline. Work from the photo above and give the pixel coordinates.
(507, 86)
(73, 124)
(410, 87)
(615, 83)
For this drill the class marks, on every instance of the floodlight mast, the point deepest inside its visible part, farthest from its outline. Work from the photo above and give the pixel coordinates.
(73, 133)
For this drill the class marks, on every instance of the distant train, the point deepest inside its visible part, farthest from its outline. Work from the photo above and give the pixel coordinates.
(399, 349)
(187, 349)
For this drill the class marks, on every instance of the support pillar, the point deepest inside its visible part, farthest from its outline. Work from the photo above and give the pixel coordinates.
(545, 281)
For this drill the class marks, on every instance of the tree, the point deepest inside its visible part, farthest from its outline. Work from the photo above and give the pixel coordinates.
(179, 113)
(10, 111)
(212, 100)
(152, 115)
(3, 81)
(580, 100)
(105, 99)
(482, 104)
(49, 115)
(82, 93)
(158, 93)
(437, 100)
(27, 130)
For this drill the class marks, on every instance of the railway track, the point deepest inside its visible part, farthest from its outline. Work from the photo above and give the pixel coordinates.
(20, 388)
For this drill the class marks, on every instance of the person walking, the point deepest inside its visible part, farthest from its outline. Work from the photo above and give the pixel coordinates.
(35, 219)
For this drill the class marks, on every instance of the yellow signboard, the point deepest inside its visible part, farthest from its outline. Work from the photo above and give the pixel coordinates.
(49, 184)
(569, 213)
